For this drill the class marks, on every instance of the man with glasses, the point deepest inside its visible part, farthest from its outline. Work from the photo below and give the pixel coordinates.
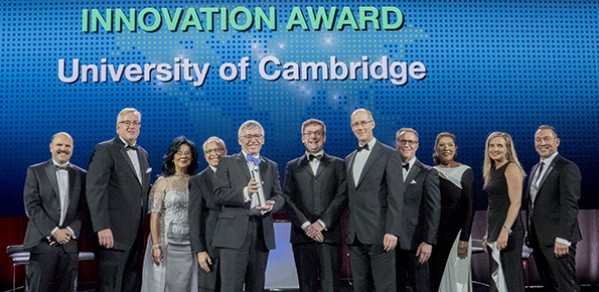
(203, 215)
(247, 186)
(118, 183)
(315, 196)
(375, 198)
(421, 214)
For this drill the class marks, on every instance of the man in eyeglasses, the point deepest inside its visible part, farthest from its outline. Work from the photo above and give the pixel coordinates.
(421, 214)
(315, 196)
(203, 216)
(247, 186)
(375, 201)
(118, 184)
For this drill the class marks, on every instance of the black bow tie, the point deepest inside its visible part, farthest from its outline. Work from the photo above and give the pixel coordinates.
(406, 166)
(62, 167)
(365, 146)
(131, 147)
(312, 157)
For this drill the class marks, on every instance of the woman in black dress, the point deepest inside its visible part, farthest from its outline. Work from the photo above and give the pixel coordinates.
(450, 260)
(503, 177)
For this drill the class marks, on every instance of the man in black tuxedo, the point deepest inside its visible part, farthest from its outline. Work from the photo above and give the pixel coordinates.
(54, 197)
(118, 184)
(375, 199)
(203, 215)
(553, 194)
(421, 214)
(247, 186)
(315, 196)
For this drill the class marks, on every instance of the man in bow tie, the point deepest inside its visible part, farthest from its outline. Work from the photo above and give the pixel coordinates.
(118, 185)
(421, 214)
(375, 200)
(315, 196)
(247, 186)
(54, 197)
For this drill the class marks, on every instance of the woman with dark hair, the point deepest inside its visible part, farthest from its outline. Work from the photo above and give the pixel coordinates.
(169, 264)
(450, 260)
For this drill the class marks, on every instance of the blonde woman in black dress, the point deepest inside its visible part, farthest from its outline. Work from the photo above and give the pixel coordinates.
(503, 177)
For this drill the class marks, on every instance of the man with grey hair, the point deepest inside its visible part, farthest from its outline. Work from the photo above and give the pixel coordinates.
(203, 215)
(247, 186)
(118, 185)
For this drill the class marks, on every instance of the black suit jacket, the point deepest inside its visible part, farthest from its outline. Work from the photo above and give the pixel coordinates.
(203, 212)
(555, 209)
(42, 203)
(231, 178)
(116, 197)
(311, 196)
(376, 202)
(422, 207)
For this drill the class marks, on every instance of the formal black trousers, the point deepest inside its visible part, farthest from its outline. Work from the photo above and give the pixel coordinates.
(411, 274)
(119, 270)
(557, 274)
(246, 264)
(372, 267)
(318, 266)
(52, 268)
(209, 282)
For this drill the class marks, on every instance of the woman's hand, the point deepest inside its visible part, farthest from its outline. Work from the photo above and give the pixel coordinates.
(462, 249)
(501, 242)
(157, 256)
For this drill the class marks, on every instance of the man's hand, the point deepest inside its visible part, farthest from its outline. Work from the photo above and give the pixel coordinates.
(266, 208)
(253, 187)
(205, 261)
(424, 252)
(560, 250)
(314, 232)
(62, 236)
(389, 242)
(105, 238)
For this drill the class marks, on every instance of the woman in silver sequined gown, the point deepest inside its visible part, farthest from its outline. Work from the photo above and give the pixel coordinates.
(169, 264)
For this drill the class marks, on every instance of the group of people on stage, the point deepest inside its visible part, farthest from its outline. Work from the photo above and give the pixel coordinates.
(408, 224)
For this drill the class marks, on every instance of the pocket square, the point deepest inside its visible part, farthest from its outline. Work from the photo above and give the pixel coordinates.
(149, 170)
(413, 182)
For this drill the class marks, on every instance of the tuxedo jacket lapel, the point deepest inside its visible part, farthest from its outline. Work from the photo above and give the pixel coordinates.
(551, 167)
(415, 169)
(372, 158)
(51, 173)
(243, 165)
(123, 151)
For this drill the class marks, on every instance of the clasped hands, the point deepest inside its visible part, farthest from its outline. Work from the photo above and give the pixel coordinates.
(61, 236)
(314, 231)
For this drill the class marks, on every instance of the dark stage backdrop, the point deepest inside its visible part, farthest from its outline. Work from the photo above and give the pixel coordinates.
(201, 68)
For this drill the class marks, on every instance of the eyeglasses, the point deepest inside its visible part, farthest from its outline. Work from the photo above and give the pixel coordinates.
(215, 150)
(362, 123)
(130, 123)
(249, 138)
(409, 142)
(315, 133)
